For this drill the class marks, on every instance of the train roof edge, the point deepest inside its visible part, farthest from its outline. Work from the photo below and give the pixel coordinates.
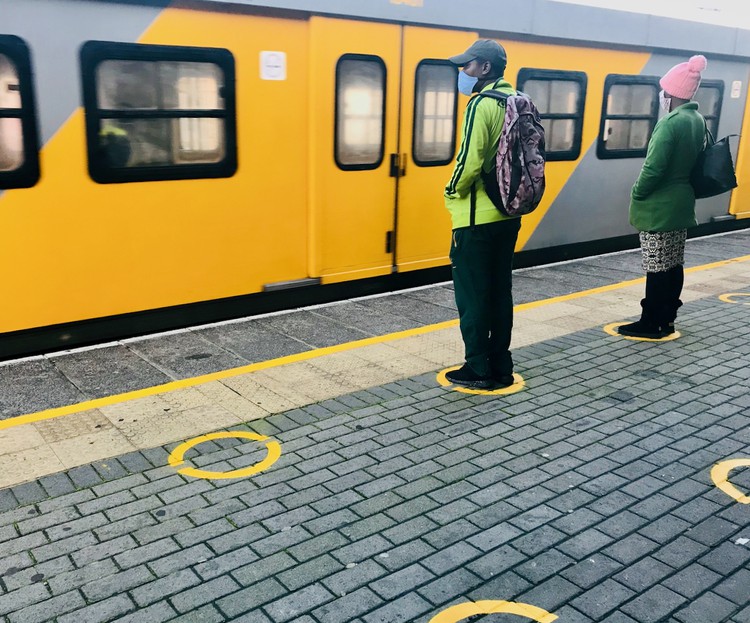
(528, 18)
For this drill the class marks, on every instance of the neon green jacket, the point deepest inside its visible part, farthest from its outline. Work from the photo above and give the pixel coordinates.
(662, 198)
(480, 136)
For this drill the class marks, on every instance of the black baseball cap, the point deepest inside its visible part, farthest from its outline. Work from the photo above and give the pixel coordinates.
(486, 49)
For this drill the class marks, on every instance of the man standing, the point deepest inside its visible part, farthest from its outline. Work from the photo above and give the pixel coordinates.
(483, 238)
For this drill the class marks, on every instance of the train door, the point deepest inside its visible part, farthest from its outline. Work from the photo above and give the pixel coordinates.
(431, 110)
(739, 204)
(354, 80)
(384, 113)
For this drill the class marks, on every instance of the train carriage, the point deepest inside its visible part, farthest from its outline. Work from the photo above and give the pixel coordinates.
(167, 163)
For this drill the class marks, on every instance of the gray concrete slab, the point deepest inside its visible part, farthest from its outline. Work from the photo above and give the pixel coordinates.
(695, 257)
(592, 267)
(722, 246)
(184, 355)
(108, 371)
(413, 308)
(364, 317)
(311, 329)
(438, 295)
(252, 342)
(34, 386)
(528, 287)
(630, 262)
(584, 276)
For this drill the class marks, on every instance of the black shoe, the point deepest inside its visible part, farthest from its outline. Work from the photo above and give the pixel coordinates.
(466, 377)
(645, 330)
(503, 380)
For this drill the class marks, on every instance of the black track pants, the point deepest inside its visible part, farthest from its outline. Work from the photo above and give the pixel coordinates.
(482, 261)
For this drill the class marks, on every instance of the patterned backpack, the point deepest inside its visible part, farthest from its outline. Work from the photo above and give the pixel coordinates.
(516, 182)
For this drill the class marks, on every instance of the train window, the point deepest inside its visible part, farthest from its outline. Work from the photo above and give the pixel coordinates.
(560, 97)
(709, 97)
(434, 136)
(360, 112)
(629, 113)
(158, 112)
(19, 146)
(11, 132)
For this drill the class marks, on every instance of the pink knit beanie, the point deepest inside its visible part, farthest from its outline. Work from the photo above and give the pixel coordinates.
(684, 79)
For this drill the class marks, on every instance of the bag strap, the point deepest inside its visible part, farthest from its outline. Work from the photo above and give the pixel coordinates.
(708, 138)
(495, 95)
(500, 97)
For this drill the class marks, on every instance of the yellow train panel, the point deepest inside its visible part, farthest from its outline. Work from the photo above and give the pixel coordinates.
(81, 250)
(424, 224)
(739, 202)
(352, 209)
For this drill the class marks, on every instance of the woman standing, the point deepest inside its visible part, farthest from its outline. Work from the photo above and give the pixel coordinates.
(662, 202)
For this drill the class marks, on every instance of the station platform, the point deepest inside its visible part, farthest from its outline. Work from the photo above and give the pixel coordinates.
(315, 466)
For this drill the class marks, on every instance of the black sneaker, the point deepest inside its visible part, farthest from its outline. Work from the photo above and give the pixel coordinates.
(466, 377)
(645, 330)
(503, 380)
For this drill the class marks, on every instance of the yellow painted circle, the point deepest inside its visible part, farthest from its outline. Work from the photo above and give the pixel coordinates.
(459, 612)
(518, 385)
(727, 298)
(611, 329)
(720, 476)
(178, 454)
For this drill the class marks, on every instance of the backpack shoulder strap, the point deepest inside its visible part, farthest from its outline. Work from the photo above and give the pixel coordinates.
(495, 95)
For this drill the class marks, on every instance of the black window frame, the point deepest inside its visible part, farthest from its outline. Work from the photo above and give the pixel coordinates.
(434, 163)
(617, 79)
(530, 73)
(27, 175)
(95, 52)
(719, 85)
(359, 57)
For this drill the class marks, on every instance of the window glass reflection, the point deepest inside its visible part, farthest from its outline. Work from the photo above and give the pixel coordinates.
(360, 98)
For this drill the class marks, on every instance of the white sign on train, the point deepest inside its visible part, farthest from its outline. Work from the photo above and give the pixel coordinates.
(273, 65)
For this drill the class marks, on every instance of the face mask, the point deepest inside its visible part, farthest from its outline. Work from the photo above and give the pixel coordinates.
(466, 83)
(664, 101)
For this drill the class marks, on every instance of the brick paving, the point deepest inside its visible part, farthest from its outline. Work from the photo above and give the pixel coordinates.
(587, 494)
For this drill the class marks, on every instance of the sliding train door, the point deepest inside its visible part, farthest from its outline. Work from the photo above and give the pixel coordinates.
(354, 78)
(431, 111)
(384, 118)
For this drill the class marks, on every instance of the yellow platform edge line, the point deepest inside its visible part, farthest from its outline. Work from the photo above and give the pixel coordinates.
(97, 403)
(217, 376)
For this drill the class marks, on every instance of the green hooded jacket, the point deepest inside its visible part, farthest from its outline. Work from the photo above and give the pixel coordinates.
(662, 198)
(480, 136)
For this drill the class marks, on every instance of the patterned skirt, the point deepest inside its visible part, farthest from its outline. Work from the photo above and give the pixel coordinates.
(662, 250)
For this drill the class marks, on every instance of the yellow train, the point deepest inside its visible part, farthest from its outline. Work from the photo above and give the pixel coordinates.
(166, 163)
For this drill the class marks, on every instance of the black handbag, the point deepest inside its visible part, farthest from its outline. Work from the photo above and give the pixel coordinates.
(713, 172)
